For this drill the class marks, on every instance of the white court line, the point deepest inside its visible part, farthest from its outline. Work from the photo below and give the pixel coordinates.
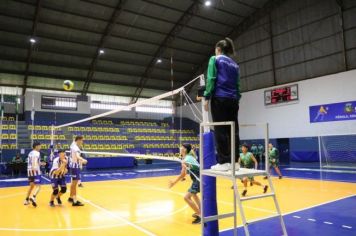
(153, 170)
(95, 227)
(298, 217)
(14, 180)
(320, 179)
(291, 212)
(346, 226)
(328, 223)
(250, 207)
(98, 227)
(46, 178)
(118, 217)
(318, 170)
(170, 191)
(313, 220)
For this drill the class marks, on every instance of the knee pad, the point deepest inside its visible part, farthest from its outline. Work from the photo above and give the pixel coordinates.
(63, 190)
(55, 192)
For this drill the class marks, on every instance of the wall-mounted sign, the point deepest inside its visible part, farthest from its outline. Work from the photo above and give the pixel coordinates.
(333, 112)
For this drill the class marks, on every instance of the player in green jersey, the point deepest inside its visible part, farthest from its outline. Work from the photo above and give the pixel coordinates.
(247, 160)
(274, 159)
(190, 165)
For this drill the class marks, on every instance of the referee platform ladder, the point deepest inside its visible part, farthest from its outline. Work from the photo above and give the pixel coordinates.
(238, 173)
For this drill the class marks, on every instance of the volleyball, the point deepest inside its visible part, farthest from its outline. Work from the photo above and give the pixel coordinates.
(68, 85)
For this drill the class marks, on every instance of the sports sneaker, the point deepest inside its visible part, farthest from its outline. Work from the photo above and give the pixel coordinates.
(70, 200)
(33, 201)
(51, 204)
(80, 185)
(280, 177)
(59, 201)
(195, 215)
(78, 203)
(26, 202)
(265, 189)
(197, 220)
(265, 177)
(221, 167)
(244, 193)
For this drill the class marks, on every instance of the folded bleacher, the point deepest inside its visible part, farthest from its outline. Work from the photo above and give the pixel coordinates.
(8, 133)
(144, 137)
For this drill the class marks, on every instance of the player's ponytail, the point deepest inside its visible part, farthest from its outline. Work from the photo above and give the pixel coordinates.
(227, 46)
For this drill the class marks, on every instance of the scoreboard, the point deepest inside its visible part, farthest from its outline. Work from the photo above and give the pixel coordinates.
(281, 95)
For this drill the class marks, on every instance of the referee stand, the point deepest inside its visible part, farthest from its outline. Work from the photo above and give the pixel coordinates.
(232, 175)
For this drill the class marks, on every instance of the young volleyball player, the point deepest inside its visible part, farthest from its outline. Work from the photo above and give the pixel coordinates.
(34, 174)
(191, 165)
(274, 159)
(80, 184)
(57, 174)
(74, 164)
(247, 160)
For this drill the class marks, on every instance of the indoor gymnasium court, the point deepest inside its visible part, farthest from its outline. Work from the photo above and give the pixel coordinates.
(177, 117)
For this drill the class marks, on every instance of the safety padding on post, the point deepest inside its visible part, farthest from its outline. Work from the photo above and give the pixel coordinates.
(209, 186)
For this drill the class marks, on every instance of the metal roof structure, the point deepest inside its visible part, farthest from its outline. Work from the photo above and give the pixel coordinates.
(132, 35)
(113, 46)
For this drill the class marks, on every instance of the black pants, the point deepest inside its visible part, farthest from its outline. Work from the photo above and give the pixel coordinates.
(225, 109)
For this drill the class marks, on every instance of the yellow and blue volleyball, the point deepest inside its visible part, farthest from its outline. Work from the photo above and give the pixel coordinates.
(68, 85)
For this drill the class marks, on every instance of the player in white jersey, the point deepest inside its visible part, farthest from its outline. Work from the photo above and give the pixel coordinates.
(57, 174)
(34, 173)
(75, 162)
(80, 184)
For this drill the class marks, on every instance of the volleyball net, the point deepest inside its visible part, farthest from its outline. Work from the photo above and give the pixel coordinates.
(152, 128)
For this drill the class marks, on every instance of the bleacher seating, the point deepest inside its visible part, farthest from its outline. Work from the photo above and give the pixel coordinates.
(153, 137)
(8, 133)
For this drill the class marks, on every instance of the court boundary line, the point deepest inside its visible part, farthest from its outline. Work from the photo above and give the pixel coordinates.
(95, 227)
(273, 176)
(320, 179)
(182, 194)
(117, 217)
(167, 190)
(321, 170)
(291, 212)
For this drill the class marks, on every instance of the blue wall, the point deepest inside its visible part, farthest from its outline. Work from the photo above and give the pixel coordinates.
(304, 149)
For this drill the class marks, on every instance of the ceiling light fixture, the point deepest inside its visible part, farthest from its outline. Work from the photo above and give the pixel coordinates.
(207, 3)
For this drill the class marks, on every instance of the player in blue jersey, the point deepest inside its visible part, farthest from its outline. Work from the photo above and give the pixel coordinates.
(75, 162)
(190, 165)
(223, 92)
(57, 175)
(34, 174)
